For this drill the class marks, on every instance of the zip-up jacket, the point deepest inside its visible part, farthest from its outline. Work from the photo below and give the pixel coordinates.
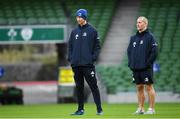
(83, 46)
(142, 51)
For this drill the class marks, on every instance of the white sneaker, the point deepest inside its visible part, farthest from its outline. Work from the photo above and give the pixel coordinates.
(150, 111)
(139, 111)
(99, 113)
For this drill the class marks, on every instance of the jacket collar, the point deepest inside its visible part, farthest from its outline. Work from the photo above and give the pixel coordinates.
(142, 33)
(84, 26)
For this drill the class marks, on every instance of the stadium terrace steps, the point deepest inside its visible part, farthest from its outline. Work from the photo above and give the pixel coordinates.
(164, 22)
(119, 32)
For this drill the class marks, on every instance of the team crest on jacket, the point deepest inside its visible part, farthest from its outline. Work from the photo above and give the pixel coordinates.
(141, 42)
(146, 79)
(84, 34)
(92, 73)
(76, 36)
(134, 44)
(155, 44)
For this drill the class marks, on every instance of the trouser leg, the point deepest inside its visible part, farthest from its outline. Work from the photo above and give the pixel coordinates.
(90, 76)
(79, 81)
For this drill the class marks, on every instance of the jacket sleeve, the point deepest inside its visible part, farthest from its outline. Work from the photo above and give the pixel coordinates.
(70, 47)
(129, 49)
(97, 47)
(153, 51)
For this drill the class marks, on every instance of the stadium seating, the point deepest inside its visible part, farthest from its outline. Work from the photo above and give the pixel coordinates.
(164, 22)
(32, 12)
(99, 13)
(29, 12)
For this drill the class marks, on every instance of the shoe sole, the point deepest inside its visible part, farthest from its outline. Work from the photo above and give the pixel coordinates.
(99, 114)
(77, 114)
(149, 113)
(141, 113)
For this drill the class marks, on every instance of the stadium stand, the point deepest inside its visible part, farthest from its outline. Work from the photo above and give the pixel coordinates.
(46, 12)
(164, 22)
(43, 12)
(31, 12)
(100, 13)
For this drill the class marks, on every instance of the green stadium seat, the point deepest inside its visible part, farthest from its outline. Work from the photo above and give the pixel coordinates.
(21, 21)
(42, 20)
(32, 11)
(32, 20)
(165, 24)
(3, 21)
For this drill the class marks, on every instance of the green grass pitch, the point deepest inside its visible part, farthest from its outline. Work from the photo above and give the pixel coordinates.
(163, 110)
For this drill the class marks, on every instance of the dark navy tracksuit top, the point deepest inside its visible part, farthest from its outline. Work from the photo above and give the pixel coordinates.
(142, 51)
(84, 46)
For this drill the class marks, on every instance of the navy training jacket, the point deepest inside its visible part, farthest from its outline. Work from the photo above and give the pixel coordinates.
(84, 46)
(142, 51)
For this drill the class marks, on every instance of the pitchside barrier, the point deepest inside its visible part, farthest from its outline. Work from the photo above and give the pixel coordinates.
(66, 86)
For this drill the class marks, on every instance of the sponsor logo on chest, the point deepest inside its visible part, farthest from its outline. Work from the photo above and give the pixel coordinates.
(77, 35)
(84, 34)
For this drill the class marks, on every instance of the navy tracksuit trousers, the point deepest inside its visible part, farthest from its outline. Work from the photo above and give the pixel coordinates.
(87, 73)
